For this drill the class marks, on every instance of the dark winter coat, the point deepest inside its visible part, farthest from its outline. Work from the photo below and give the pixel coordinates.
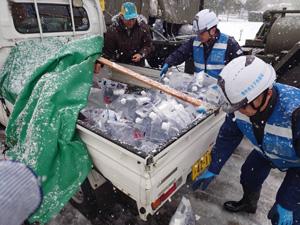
(120, 43)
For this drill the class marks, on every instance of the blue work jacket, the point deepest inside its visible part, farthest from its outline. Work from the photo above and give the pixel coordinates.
(215, 61)
(277, 144)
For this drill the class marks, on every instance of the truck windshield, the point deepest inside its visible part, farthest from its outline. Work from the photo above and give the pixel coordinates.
(54, 18)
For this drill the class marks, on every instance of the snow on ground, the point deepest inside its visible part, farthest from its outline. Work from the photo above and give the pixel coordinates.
(207, 205)
(240, 29)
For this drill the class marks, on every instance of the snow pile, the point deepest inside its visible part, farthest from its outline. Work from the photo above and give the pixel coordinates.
(240, 29)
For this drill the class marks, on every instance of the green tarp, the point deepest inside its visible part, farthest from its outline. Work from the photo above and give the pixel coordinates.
(49, 82)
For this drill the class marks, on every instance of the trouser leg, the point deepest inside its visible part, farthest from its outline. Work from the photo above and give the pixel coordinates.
(254, 172)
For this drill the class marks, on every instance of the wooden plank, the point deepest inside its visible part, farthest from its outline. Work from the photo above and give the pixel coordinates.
(150, 82)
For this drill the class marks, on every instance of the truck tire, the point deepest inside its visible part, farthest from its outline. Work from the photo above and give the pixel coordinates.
(85, 200)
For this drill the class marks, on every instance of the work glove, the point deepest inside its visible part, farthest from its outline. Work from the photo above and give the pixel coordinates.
(164, 70)
(280, 216)
(213, 97)
(201, 109)
(203, 181)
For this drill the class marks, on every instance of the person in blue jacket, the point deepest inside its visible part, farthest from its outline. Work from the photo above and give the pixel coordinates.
(268, 114)
(211, 50)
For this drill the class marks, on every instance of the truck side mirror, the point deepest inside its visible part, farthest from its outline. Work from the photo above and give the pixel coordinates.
(77, 3)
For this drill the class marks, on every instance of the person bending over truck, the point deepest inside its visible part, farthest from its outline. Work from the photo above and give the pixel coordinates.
(210, 49)
(268, 114)
(128, 39)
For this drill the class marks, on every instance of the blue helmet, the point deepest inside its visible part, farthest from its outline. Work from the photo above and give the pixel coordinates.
(128, 10)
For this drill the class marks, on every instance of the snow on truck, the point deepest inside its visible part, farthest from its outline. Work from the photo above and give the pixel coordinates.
(149, 177)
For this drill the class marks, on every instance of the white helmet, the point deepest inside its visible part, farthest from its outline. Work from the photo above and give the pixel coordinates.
(244, 79)
(204, 20)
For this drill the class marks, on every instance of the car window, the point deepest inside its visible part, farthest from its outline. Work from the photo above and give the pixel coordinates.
(54, 18)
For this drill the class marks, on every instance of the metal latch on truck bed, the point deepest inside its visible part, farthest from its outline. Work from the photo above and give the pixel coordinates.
(96, 179)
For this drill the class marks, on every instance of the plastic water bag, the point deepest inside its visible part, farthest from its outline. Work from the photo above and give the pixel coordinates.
(184, 214)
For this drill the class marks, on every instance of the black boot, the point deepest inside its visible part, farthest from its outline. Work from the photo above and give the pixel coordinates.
(247, 204)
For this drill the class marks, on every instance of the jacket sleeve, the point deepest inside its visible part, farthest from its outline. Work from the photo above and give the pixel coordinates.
(181, 54)
(148, 46)
(289, 192)
(233, 50)
(228, 139)
(110, 48)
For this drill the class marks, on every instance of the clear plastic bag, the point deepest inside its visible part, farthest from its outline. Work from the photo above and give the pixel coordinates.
(213, 95)
(184, 214)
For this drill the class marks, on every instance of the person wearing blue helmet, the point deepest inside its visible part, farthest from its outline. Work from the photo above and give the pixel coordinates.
(128, 40)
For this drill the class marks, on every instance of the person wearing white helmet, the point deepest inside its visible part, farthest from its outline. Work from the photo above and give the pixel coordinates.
(268, 114)
(211, 50)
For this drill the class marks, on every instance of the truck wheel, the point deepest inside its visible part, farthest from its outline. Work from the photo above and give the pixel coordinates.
(85, 200)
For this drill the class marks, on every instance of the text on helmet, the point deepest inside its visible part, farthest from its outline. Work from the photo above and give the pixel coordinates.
(252, 85)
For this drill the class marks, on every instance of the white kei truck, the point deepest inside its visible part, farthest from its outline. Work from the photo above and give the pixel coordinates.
(150, 180)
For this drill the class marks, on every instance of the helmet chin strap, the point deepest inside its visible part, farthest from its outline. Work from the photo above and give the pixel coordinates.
(210, 35)
(258, 108)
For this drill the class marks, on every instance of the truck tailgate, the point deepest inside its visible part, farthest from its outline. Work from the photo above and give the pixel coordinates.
(146, 177)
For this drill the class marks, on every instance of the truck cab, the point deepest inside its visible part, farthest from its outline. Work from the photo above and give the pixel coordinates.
(31, 19)
(28, 19)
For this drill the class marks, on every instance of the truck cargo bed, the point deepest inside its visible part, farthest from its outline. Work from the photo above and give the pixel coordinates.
(87, 124)
(150, 178)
